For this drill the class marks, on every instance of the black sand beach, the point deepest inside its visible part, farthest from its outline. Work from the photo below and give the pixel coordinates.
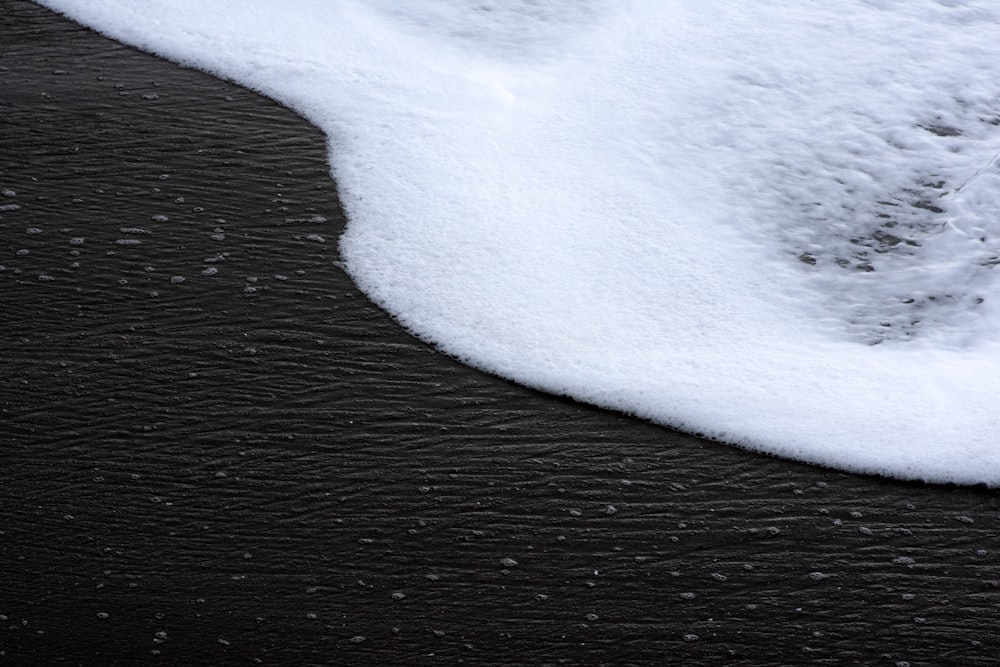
(215, 451)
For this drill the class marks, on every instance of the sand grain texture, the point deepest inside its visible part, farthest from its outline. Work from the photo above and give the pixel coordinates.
(257, 464)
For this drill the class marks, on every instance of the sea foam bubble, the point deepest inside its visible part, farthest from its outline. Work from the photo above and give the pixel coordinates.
(771, 223)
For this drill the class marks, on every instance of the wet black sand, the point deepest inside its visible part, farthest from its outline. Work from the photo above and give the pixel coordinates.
(259, 466)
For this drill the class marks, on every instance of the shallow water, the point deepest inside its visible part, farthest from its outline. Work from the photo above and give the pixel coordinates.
(222, 476)
(773, 227)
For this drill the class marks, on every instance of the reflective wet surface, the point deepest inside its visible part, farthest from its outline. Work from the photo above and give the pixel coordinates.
(214, 450)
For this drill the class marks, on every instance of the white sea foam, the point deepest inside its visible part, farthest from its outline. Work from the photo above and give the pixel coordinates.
(772, 223)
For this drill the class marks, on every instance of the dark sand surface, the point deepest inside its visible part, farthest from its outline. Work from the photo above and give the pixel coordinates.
(259, 466)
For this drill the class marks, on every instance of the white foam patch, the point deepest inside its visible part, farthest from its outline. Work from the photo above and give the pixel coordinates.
(771, 223)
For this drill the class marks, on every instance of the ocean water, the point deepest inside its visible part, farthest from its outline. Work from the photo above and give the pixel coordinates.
(775, 224)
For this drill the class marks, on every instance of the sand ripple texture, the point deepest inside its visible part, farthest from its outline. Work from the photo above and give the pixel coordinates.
(219, 475)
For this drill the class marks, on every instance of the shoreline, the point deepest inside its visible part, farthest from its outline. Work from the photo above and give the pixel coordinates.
(255, 463)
